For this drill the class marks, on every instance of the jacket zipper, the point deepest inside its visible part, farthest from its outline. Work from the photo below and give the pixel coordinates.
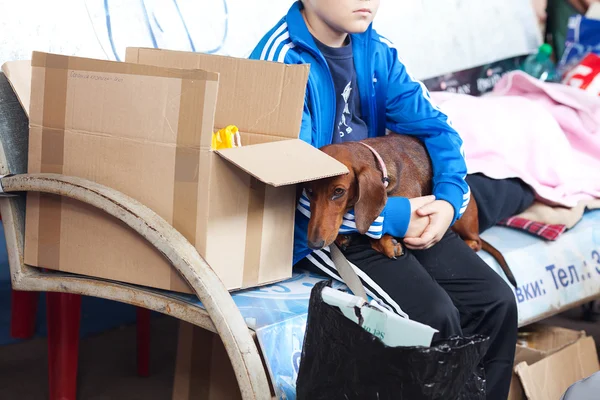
(371, 88)
(317, 56)
(367, 89)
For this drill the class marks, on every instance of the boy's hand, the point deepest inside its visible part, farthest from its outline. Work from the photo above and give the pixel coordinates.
(418, 223)
(440, 214)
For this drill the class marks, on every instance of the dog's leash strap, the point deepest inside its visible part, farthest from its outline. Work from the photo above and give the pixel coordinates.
(347, 272)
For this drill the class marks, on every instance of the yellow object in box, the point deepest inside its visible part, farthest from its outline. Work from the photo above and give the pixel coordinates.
(226, 138)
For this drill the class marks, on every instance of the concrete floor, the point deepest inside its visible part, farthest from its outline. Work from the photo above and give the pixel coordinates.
(107, 366)
(107, 369)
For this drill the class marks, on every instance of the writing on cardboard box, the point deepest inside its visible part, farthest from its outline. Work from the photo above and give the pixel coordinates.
(94, 77)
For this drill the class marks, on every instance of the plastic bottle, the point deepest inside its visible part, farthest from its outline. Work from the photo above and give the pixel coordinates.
(540, 65)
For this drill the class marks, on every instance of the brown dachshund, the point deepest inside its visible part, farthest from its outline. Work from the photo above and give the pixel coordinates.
(409, 174)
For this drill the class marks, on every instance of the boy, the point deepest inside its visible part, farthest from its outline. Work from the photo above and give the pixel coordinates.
(357, 87)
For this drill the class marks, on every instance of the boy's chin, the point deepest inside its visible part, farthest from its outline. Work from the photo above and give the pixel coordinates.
(357, 27)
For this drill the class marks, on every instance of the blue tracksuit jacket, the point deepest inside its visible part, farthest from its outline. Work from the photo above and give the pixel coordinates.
(389, 97)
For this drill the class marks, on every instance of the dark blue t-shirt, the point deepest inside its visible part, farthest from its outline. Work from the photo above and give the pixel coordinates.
(348, 123)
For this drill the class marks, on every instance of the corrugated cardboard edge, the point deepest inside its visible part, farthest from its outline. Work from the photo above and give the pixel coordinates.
(528, 373)
(18, 74)
(252, 250)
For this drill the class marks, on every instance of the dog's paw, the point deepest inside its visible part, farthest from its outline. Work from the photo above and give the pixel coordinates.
(342, 241)
(389, 246)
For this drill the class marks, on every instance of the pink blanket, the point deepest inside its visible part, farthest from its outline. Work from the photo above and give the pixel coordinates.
(546, 134)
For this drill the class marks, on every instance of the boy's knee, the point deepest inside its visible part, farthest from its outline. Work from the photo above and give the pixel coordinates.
(505, 304)
(442, 315)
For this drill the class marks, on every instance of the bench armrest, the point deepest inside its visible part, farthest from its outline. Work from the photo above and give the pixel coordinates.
(221, 308)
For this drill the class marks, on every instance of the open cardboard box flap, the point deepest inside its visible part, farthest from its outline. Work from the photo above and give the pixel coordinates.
(284, 162)
(550, 377)
(18, 74)
(541, 341)
(547, 340)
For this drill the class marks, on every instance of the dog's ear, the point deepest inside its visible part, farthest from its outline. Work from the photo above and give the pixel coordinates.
(372, 196)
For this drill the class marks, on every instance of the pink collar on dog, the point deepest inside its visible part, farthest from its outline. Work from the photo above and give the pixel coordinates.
(385, 179)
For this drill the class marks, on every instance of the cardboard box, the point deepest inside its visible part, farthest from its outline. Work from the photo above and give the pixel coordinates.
(146, 131)
(553, 359)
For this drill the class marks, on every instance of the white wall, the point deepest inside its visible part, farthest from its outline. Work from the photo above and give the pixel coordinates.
(433, 36)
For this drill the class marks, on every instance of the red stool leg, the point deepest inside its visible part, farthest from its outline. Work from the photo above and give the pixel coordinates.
(23, 309)
(143, 341)
(63, 318)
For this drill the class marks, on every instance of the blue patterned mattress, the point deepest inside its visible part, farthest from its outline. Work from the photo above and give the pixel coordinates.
(552, 276)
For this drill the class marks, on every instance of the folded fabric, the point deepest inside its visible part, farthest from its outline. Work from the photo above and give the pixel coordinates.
(549, 222)
(546, 134)
(544, 231)
(568, 217)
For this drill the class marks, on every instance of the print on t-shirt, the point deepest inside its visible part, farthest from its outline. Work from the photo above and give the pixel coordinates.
(343, 127)
(348, 123)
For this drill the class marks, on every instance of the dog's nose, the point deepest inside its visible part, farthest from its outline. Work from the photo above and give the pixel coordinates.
(316, 245)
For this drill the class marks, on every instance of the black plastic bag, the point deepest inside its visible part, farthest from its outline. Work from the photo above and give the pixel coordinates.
(340, 360)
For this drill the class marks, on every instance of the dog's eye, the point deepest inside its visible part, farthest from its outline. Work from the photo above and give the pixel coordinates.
(337, 193)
